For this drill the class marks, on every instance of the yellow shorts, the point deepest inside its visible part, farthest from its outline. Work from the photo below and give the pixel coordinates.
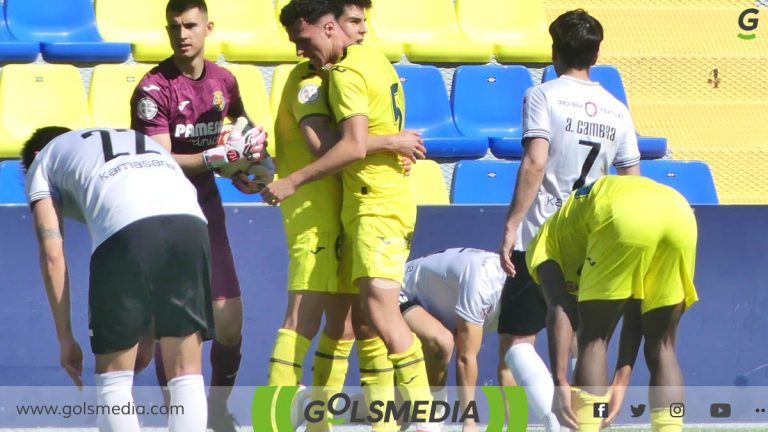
(644, 255)
(376, 242)
(312, 261)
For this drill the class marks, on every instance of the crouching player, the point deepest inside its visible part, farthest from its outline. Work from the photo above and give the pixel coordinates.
(622, 245)
(150, 266)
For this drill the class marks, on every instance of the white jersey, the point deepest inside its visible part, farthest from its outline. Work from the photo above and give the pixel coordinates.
(588, 130)
(109, 178)
(464, 283)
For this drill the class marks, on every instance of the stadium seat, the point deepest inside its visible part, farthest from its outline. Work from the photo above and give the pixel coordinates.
(230, 194)
(517, 29)
(12, 50)
(110, 93)
(279, 77)
(428, 31)
(35, 95)
(254, 95)
(428, 111)
(693, 179)
(142, 23)
(11, 183)
(484, 182)
(247, 31)
(66, 30)
(610, 78)
(427, 183)
(487, 101)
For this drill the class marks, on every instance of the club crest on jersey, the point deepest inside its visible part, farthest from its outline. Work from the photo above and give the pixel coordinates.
(218, 100)
(590, 108)
(309, 93)
(146, 108)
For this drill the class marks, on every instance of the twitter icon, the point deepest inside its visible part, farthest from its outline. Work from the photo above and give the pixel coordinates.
(637, 411)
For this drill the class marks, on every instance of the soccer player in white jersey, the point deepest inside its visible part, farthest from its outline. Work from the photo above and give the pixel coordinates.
(450, 298)
(150, 265)
(573, 130)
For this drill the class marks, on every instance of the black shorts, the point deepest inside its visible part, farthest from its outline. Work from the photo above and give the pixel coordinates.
(523, 308)
(407, 303)
(158, 269)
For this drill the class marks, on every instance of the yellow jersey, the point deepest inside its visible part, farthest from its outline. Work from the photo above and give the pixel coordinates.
(315, 205)
(364, 83)
(619, 201)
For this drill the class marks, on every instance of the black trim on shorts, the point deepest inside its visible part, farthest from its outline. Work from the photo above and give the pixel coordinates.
(523, 307)
(408, 305)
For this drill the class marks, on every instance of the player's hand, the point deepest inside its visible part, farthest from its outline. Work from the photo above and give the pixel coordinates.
(408, 143)
(614, 405)
(278, 191)
(561, 407)
(505, 252)
(71, 358)
(407, 165)
(248, 145)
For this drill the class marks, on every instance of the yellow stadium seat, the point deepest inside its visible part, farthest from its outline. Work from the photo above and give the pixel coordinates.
(254, 94)
(427, 183)
(428, 31)
(278, 82)
(110, 93)
(516, 28)
(33, 96)
(141, 22)
(248, 31)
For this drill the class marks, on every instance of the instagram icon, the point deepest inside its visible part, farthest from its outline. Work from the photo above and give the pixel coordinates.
(676, 409)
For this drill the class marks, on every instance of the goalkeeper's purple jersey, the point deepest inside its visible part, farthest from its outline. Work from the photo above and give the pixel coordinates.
(191, 111)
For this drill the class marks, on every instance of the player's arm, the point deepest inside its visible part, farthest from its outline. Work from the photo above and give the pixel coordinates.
(53, 266)
(627, 161)
(529, 180)
(561, 311)
(633, 170)
(629, 345)
(191, 164)
(469, 338)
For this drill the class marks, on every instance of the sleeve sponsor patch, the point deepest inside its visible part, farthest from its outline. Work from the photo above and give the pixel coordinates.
(309, 93)
(146, 108)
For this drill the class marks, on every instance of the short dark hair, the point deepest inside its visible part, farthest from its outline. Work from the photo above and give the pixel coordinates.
(308, 10)
(39, 139)
(179, 6)
(576, 36)
(339, 5)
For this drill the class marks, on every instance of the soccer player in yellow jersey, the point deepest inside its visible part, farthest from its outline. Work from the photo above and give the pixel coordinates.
(304, 131)
(378, 211)
(624, 244)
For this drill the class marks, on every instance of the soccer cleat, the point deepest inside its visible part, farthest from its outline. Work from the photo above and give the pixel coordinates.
(297, 407)
(219, 419)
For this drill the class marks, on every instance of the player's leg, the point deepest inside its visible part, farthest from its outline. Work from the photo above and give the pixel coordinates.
(436, 341)
(523, 314)
(182, 357)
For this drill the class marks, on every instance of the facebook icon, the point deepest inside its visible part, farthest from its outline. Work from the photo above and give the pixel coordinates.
(600, 410)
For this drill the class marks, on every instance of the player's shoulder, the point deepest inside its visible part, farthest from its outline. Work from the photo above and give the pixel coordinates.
(360, 58)
(303, 71)
(214, 71)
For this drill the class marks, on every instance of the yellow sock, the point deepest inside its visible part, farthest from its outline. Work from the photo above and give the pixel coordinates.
(328, 372)
(662, 421)
(584, 406)
(411, 373)
(377, 376)
(287, 357)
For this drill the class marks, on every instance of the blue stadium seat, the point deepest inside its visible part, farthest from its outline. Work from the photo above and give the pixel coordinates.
(610, 78)
(484, 181)
(11, 183)
(12, 50)
(487, 101)
(66, 30)
(428, 111)
(230, 194)
(693, 179)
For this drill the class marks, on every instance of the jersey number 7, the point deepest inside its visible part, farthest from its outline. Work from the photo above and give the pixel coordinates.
(588, 162)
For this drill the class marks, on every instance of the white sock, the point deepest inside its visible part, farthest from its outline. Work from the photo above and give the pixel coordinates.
(113, 389)
(189, 408)
(530, 372)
